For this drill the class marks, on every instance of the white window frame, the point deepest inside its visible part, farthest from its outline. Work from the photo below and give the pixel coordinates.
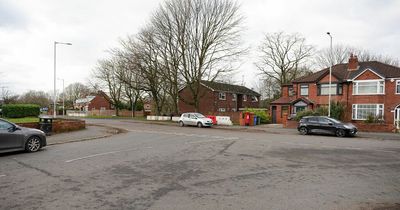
(221, 110)
(244, 97)
(354, 110)
(379, 83)
(302, 86)
(333, 85)
(222, 96)
(254, 99)
(397, 87)
(234, 96)
(233, 109)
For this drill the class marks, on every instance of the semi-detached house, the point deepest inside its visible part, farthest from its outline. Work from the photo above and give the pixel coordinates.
(366, 88)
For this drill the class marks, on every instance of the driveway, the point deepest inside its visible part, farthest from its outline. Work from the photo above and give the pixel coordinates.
(167, 167)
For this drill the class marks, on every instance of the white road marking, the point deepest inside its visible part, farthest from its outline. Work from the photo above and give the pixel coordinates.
(3, 175)
(105, 153)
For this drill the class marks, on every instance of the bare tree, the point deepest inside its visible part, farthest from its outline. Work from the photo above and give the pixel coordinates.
(40, 98)
(105, 73)
(283, 56)
(341, 54)
(75, 91)
(204, 36)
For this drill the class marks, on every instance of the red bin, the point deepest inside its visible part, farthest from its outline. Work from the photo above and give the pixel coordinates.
(213, 118)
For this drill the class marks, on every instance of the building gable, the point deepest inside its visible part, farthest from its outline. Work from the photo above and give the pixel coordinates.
(325, 79)
(368, 74)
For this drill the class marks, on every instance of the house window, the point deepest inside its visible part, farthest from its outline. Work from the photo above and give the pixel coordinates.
(304, 90)
(222, 96)
(221, 109)
(398, 87)
(368, 87)
(244, 97)
(234, 97)
(299, 106)
(362, 111)
(290, 91)
(233, 109)
(254, 99)
(336, 89)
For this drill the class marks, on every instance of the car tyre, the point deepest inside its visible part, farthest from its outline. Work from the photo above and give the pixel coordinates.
(303, 131)
(33, 144)
(181, 124)
(340, 133)
(199, 125)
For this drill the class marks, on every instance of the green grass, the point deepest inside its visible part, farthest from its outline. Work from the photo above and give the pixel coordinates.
(115, 117)
(23, 120)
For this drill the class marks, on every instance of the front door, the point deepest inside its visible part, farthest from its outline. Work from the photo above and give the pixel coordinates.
(273, 114)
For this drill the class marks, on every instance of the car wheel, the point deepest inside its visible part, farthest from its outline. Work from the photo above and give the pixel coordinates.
(33, 144)
(303, 131)
(181, 124)
(340, 133)
(199, 125)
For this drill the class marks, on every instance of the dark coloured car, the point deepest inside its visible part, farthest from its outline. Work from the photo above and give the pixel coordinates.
(15, 138)
(325, 125)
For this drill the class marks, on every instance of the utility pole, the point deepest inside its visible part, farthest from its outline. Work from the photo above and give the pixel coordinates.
(330, 77)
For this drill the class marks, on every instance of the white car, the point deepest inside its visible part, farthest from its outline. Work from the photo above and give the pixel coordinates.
(195, 119)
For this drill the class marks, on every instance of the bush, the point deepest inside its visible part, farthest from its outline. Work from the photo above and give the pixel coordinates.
(304, 113)
(264, 116)
(374, 119)
(337, 110)
(20, 110)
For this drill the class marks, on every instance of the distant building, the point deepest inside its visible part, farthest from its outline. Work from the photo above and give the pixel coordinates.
(100, 101)
(219, 97)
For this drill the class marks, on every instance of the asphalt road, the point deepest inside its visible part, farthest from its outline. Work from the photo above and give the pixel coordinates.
(166, 167)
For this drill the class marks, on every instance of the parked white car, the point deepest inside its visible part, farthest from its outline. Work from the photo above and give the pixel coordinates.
(195, 119)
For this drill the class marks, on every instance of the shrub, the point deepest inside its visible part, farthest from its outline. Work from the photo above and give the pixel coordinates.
(304, 113)
(20, 110)
(374, 119)
(264, 116)
(337, 110)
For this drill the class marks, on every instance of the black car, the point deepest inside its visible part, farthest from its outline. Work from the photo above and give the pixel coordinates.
(15, 138)
(325, 125)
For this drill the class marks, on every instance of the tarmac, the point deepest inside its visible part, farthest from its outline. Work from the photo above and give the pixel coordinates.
(96, 131)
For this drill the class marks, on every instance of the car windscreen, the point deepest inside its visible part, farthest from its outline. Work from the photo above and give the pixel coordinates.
(199, 115)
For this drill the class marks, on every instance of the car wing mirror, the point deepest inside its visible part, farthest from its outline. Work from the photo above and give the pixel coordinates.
(330, 123)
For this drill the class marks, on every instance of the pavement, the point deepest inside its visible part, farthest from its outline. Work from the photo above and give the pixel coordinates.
(101, 128)
(89, 133)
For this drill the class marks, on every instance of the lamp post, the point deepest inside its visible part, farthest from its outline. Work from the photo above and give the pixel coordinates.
(63, 95)
(55, 76)
(330, 76)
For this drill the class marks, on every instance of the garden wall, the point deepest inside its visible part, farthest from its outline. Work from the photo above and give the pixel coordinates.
(60, 125)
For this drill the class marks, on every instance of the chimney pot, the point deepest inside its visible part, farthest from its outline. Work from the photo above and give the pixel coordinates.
(353, 63)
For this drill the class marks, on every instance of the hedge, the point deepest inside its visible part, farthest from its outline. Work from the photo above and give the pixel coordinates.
(20, 110)
(264, 117)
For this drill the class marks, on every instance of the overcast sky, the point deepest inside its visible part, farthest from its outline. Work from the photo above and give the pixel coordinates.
(28, 29)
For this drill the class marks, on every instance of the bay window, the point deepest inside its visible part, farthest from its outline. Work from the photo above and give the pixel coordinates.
(362, 111)
(368, 87)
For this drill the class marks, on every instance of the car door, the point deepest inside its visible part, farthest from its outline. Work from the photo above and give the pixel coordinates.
(313, 124)
(193, 119)
(326, 126)
(9, 138)
(186, 119)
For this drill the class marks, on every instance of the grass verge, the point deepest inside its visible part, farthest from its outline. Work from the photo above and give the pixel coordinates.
(23, 120)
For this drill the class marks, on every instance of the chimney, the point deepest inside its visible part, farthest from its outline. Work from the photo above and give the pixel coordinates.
(353, 63)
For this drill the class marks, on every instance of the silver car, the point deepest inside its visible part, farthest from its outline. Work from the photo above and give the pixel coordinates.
(195, 119)
(15, 138)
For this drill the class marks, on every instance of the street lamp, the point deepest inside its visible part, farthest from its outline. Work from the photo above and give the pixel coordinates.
(330, 76)
(63, 95)
(55, 76)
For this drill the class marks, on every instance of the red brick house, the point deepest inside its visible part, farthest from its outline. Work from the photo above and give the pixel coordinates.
(366, 88)
(99, 101)
(219, 97)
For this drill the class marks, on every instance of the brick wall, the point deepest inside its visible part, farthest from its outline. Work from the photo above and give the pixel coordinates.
(210, 101)
(99, 102)
(60, 125)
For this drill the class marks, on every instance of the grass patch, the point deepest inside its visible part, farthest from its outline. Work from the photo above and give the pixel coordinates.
(23, 120)
(115, 117)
